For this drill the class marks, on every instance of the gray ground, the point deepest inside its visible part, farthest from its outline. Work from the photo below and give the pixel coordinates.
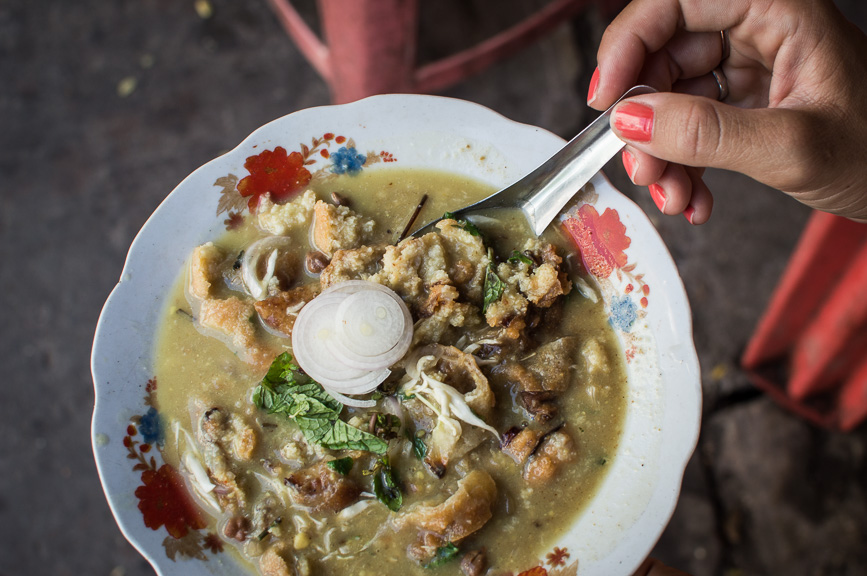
(82, 165)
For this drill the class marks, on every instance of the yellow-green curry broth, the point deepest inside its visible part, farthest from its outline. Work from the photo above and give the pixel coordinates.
(198, 372)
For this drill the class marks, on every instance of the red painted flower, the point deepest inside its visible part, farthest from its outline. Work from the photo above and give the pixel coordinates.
(163, 500)
(537, 571)
(213, 543)
(275, 172)
(601, 239)
(234, 221)
(557, 557)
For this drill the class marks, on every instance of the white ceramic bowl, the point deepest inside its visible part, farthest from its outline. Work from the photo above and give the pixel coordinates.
(636, 276)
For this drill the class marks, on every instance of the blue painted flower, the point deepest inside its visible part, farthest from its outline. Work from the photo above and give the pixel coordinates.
(623, 313)
(150, 427)
(347, 161)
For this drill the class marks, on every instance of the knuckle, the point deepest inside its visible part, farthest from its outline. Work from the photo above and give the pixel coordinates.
(701, 136)
(800, 140)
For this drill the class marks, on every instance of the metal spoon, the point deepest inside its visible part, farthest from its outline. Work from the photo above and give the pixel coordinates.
(542, 193)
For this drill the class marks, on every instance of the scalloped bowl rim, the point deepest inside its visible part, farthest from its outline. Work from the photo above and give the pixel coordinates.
(668, 437)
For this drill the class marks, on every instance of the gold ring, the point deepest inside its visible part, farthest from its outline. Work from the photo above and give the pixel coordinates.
(722, 82)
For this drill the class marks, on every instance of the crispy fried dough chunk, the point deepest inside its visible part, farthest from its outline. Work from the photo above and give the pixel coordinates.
(233, 318)
(338, 228)
(461, 372)
(522, 444)
(413, 266)
(218, 425)
(462, 514)
(274, 563)
(358, 264)
(280, 311)
(205, 269)
(279, 219)
(511, 309)
(441, 312)
(321, 488)
(225, 439)
(546, 282)
(467, 259)
(556, 449)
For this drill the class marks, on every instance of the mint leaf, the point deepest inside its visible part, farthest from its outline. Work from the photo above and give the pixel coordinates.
(288, 391)
(342, 465)
(342, 436)
(385, 485)
(443, 555)
(462, 223)
(517, 257)
(419, 448)
(493, 289)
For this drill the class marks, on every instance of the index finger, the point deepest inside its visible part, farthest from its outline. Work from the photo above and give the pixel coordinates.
(646, 26)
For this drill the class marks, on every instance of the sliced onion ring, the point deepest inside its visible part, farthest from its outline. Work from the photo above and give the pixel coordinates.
(313, 329)
(354, 402)
(336, 356)
(354, 348)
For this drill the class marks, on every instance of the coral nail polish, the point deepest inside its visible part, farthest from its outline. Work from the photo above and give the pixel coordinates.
(634, 121)
(594, 83)
(630, 165)
(658, 194)
(688, 213)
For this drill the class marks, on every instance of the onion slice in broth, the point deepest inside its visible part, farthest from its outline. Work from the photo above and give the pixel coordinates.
(348, 336)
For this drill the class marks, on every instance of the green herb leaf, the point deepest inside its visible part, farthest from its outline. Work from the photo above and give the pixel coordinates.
(288, 391)
(342, 436)
(419, 448)
(517, 257)
(493, 288)
(342, 465)
(403, 396)
(385, 485)
(470, 227)
(443, 555)
(386, 426)
(462, 223)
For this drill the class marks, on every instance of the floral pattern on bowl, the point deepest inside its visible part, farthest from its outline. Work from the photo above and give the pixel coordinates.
(616, 244)
(283, 175)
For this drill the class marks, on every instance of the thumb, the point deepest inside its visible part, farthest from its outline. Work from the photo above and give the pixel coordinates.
(767, 144)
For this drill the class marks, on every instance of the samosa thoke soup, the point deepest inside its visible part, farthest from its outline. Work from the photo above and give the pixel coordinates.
(343, 401)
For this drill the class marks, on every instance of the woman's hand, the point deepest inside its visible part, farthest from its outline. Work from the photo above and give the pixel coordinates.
(795, 118)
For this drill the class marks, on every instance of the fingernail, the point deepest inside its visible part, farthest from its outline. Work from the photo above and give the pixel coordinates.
(688, 213)
(630, 164)
(658, 195)
(634, 121)
(594, 83)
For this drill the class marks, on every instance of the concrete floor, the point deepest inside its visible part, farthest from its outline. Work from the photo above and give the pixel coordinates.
(106, 106)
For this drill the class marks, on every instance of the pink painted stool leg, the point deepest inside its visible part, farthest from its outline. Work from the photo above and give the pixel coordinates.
(823, 254)
(835, 341)
(371, 46)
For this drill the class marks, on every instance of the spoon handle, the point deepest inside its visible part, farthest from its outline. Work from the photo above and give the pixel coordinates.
(542, 193)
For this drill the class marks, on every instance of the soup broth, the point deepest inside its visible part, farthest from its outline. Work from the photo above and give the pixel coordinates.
(485, 502)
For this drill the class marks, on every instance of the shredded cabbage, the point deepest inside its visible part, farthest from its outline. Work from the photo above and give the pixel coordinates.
(446, 402)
